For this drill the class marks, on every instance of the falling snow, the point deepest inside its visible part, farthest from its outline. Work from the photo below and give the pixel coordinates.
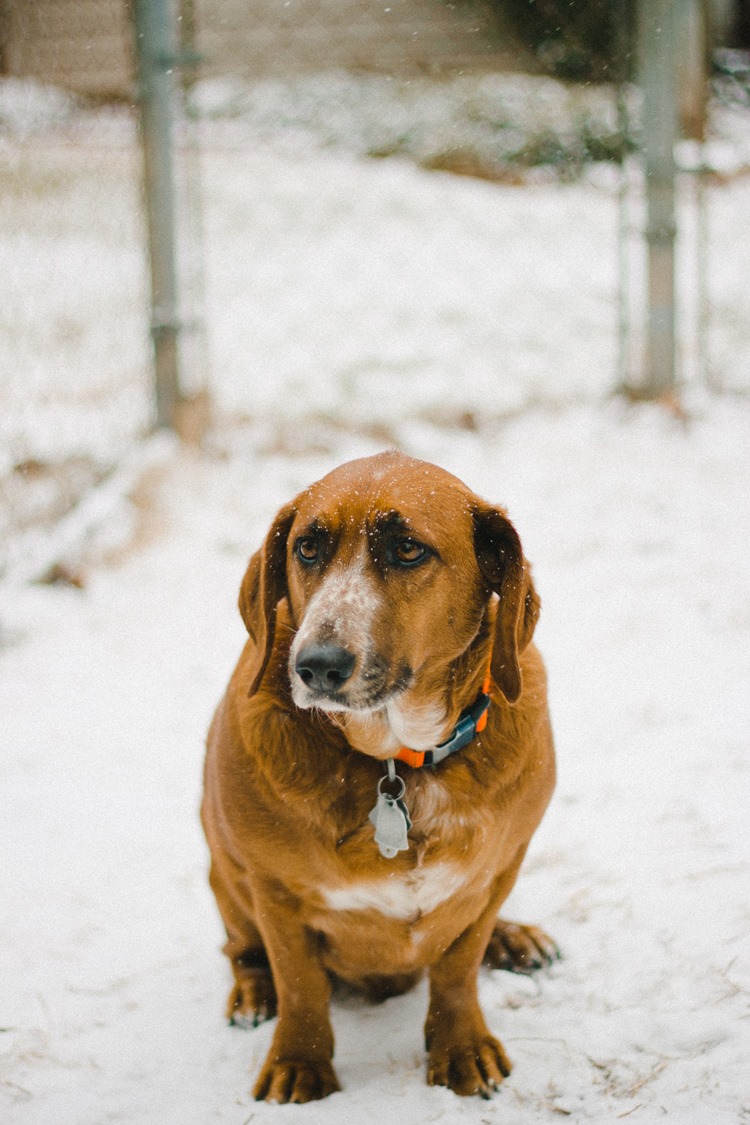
(369, 303)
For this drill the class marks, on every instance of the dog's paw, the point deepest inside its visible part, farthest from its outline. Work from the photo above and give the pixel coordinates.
(519, 949)
(295, 1081)
(252, 1001)
(469, 1068)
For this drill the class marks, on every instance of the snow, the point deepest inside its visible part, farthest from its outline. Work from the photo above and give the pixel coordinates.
(27, 106)
(503, 119)
(369, 304)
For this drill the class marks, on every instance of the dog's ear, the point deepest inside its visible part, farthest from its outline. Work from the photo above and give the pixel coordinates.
(506, 572)
(263, 586)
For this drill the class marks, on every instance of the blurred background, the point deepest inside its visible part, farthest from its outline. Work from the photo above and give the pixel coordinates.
(215, 217)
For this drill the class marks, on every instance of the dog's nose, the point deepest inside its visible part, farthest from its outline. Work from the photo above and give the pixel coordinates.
(324, 667)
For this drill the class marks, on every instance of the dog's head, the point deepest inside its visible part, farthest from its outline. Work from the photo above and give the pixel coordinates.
(389, 566)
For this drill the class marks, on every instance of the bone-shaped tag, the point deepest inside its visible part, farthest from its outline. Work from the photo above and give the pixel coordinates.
(392, 823)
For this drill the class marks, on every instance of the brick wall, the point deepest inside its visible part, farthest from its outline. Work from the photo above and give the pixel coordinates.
(395, 36)
(86, 45)
(81, 45)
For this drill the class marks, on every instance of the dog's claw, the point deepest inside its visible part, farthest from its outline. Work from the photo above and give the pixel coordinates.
(252, 1001)
(475, 1070)
(520, 949)
(295, 1081)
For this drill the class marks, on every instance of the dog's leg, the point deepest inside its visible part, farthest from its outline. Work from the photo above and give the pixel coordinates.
(298, 1067)
(252, 1000)
(253, 996)
(519, 949)
(462, 1053)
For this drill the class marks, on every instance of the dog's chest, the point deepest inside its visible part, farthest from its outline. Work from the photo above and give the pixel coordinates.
(447, 864)
(401, 895)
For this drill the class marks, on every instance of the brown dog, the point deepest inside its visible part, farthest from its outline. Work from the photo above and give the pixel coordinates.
(386, 605)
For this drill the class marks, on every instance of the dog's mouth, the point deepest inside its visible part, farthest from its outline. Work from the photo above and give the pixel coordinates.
(344, 701)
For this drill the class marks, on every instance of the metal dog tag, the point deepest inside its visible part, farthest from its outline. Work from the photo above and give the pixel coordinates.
(391, 819)
(391, 826)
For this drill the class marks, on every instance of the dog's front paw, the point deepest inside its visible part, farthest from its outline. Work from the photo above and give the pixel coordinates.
(519, 949)
(252, 1001)
(295, 1080)
(469, 1068)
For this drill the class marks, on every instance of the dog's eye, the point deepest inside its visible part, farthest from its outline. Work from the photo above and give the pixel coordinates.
(408, 552)
(306, 549)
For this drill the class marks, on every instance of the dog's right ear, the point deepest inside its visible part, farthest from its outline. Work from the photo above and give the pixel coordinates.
(263, 586)
(507, 573)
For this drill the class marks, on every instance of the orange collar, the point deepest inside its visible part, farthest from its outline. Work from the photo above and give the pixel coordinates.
(471, 722)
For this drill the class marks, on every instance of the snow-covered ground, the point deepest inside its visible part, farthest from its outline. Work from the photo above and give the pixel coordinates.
(369, 303)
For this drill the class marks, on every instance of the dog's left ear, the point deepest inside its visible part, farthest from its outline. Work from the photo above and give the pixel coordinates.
(263, 586)
(501, 561)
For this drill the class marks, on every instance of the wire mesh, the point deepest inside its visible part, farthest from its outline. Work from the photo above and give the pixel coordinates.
(304, 261)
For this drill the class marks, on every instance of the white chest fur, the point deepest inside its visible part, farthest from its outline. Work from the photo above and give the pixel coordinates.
(401, 896)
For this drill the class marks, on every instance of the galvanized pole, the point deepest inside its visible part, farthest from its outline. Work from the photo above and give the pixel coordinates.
(624, 74)
(155, 47)
(659, 39)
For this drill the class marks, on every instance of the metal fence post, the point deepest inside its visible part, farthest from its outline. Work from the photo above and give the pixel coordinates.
(659, 44)
(156, 54)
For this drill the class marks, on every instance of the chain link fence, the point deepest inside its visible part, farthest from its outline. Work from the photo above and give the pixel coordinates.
(74, 354)
(334, 290)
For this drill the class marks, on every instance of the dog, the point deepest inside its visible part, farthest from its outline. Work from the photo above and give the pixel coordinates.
(377, 768)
